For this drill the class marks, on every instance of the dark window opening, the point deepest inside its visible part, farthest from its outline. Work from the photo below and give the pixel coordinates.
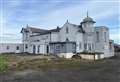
(17, 48)
(110, 46)
(67, 40)
(26, 46)
(8, 48)
(38, 49)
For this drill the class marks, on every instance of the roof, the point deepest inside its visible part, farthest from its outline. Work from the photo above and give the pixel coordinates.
(48, 31)
(88, 19)
(81, 29)
(33, 29)
(62, 42)
(77, 26)
(101, 27)
(37, 30)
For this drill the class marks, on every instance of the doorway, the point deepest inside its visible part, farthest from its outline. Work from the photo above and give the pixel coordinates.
(47, 49)
(34, 49)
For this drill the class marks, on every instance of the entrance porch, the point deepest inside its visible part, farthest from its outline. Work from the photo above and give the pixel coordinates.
(62, 47)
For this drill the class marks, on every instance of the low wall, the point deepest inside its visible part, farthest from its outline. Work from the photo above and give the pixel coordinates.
(92, 56)
(65, 55)
(11, 48)
(87, 56)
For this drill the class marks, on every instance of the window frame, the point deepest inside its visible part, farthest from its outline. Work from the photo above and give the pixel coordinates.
(8, 47)
(17, 48)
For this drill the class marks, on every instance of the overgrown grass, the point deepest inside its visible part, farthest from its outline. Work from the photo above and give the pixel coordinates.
(46, 64)
(3, 63)
(14, 62)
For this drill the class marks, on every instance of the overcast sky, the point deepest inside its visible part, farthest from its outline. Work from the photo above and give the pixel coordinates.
(15, 14)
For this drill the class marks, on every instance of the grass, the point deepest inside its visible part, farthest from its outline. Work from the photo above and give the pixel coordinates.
(3, 63)
(19, 63)
(13, 62)
(105, 70)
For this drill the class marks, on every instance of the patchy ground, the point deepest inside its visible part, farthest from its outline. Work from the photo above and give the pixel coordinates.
(50, 69)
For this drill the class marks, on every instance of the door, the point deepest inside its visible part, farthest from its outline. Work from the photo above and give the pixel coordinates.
(34, 49)
(47, 49)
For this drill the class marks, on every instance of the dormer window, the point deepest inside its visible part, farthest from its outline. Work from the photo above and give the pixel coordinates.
(67, 31)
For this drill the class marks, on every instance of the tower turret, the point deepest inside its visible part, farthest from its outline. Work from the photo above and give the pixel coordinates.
(88, 24)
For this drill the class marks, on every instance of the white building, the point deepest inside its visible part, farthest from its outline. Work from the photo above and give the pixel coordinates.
(85, 39)
(11, 48)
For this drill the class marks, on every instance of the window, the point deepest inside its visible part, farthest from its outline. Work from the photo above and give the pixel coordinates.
(97, 34)
(105, 36)
(85, 46)
(17, 48)
(58, 48)
(89, 46)
(110, 46)
(67, 31)
(92, 46)
(7, 47)
(26, 35)
(26, 46)
(67, 40)
(80, 45)
(38, 48)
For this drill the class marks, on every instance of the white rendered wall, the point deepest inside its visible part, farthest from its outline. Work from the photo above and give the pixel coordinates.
(71, 35)
(11, 49)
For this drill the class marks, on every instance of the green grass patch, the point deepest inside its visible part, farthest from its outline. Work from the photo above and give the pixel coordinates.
(3, 63)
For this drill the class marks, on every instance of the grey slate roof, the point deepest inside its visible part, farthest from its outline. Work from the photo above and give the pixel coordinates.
(88, 19)
(37, 30)
(42, 32)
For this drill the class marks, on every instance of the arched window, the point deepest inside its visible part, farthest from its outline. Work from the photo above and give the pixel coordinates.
(67, 31)
(67, 40)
